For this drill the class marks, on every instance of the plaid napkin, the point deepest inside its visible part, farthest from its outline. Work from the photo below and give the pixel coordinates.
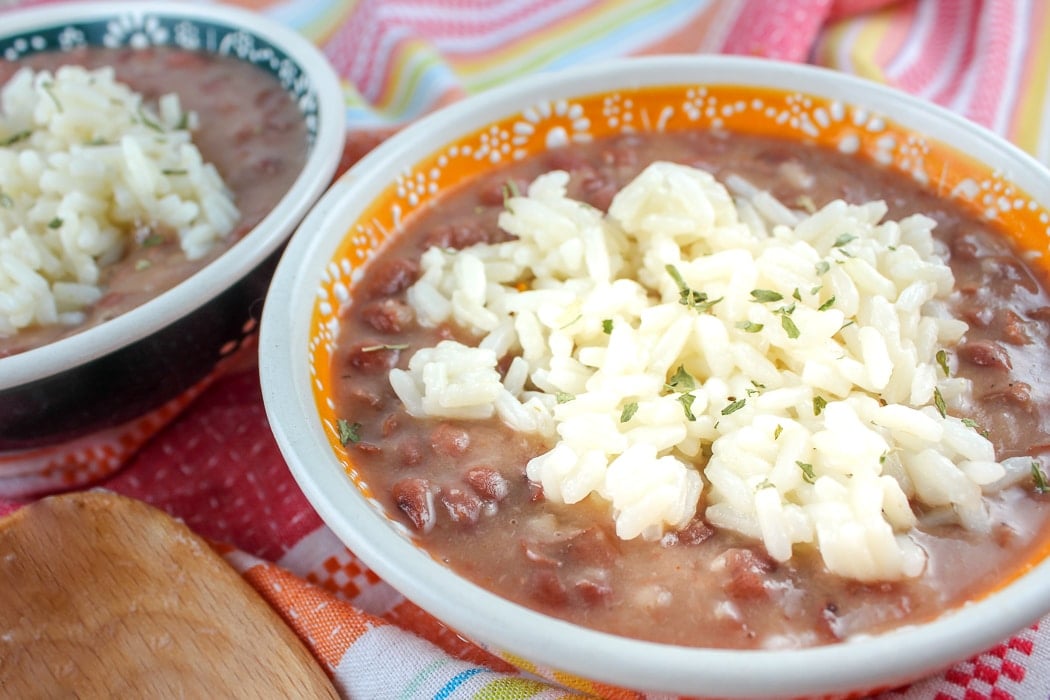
(209, 458)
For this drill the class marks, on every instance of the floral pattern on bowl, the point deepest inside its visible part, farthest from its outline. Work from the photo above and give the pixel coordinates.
(140, 28)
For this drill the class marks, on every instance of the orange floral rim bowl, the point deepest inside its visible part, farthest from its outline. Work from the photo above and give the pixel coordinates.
(415, 173)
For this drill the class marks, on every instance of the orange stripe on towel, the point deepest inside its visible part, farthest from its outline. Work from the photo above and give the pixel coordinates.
(327, 625)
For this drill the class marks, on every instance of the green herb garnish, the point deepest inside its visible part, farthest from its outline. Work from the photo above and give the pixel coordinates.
(628, 411)
(785, 321)
(749, 326)
(377, 348)
(777, 431)
(733, 407)
(827, 304)
(690, 297)
(942, 360)
(510, 190)
(971, 423)
(823, 266)
(765, 295)
(55, 223)
(16, 137)
(819, 404)
(1039, 478)
(564, 397)
(149, 123)
(607, 326)
(843, 240)
(681, 381)
(687, 405)
(49, 88)
(807, 471)
(348, 432)
(938, 401)
(571, 322)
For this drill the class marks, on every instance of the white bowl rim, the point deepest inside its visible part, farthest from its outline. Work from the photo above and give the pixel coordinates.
(866, 663)
(254, 247)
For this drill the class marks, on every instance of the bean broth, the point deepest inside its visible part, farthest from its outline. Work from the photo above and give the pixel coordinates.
(462, 485)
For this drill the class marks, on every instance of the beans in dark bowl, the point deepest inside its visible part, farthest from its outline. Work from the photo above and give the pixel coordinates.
(250, 129)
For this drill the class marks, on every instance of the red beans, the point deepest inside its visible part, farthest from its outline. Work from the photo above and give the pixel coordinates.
(415, 498)
(495, 192)
(1014, 331)
(409, 453)
(458, 235)
(392, 276)
(371, 357)
(1001, 268)
(567, 159)
(598, 191)
(462, 507)
(695, 532)
(985, 353)
(964, 247)
(748, 573)
(547, 588)
(1015, 393)
(593, 591)
(573, 570)
(449, 440)
(388, 316)
(488, 483)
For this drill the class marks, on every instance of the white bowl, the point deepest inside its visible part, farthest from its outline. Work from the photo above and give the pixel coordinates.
(320, 266)
(108, 375)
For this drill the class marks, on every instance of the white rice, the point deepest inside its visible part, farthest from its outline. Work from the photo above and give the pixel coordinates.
(85, 166)
(804, 396)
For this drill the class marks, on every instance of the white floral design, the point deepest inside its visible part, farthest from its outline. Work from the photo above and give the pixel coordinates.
(698, 104)
(495, 144)
(558, 112)
(135, 30)
(188, 36)
(618, 112)
(418, 186)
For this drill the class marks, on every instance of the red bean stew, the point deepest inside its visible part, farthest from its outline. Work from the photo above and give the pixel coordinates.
(251, 130)
(700, 586)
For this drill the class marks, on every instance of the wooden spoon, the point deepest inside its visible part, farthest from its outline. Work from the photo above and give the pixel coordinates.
(105, 596)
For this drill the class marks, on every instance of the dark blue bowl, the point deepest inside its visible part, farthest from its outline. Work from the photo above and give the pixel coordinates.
(110, 374)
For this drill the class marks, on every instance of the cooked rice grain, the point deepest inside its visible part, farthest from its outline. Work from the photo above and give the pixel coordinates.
(85, 165)
(798, 351)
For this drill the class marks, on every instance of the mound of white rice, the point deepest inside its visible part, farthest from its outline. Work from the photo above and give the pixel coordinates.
(85, 165)
(789, 367)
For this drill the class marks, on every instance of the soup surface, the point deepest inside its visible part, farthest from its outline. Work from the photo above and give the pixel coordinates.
(250, 130)
(462, 484)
